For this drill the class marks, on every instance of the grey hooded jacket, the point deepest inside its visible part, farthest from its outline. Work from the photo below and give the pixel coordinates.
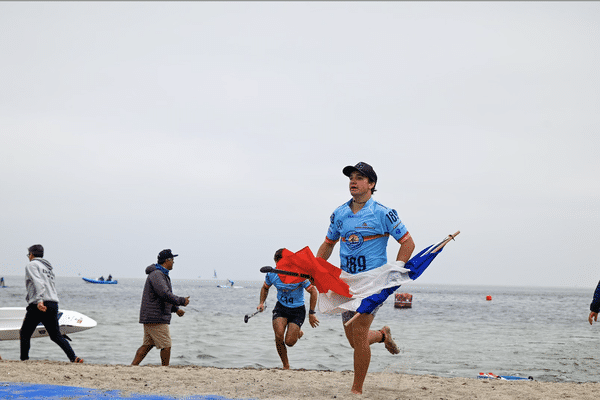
(158, 300)
(39, 281)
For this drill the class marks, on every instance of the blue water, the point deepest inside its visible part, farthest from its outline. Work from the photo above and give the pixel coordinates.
(450, 331)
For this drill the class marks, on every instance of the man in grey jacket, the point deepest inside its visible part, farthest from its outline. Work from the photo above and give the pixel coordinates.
(42, 304)
(158, 302)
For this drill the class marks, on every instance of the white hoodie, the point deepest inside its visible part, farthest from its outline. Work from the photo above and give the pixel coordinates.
(39, 281)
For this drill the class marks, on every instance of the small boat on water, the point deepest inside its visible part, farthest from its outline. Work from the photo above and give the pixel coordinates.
(111, 282)
(403, 300)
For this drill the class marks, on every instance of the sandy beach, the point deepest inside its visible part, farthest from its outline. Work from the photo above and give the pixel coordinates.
(266, 384)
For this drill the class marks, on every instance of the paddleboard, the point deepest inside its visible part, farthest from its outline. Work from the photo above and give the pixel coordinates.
(11, 319)
(112, 282)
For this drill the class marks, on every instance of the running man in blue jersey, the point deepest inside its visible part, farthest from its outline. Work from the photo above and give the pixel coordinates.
(363, 227)
(289, 312)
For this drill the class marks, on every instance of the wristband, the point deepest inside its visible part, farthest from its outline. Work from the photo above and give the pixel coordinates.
(311, 312)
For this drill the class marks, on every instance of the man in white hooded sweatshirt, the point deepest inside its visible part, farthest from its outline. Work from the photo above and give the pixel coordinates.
(42, 304)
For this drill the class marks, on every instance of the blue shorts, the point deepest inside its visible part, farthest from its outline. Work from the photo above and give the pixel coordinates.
(295, 315)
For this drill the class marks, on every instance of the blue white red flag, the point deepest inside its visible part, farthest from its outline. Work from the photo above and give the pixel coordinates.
(371, 288)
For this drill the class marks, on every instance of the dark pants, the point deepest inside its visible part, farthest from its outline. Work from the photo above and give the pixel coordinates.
(50, 320)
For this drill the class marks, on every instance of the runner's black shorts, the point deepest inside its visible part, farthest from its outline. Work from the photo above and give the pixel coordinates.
(295, 315)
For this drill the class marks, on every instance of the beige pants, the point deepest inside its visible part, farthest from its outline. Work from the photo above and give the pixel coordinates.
(157, 335)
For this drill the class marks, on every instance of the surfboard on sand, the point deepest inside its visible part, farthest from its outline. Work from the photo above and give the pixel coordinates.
(11, 319)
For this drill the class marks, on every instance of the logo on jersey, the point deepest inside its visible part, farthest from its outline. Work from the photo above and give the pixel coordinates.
(364, 226)
(332, 218)
(340, 225)
(354, 240)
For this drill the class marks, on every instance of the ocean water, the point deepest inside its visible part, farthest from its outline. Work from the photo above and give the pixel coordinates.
(450, 331)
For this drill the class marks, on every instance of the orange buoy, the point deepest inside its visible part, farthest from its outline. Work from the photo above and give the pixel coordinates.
(488, 298)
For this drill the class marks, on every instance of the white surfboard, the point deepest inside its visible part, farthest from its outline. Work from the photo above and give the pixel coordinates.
(11, 319)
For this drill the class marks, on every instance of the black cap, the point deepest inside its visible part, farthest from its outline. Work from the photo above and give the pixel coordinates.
(363, 168)
(165, 255)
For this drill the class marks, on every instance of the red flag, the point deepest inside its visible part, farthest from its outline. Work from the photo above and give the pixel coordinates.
(326, 276)
(287, 263)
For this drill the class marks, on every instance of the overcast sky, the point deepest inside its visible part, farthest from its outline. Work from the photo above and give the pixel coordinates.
(220, 130)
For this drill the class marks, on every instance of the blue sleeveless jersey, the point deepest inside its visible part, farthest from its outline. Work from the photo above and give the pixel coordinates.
(364, 235)
(289, 294)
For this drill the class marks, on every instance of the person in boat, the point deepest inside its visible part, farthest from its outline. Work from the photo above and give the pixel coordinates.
(2, 282)
(101, 279)
(158, 303)
(595, 306)
(364, 226)
(289, 313)
(109, 278)
(42, 304)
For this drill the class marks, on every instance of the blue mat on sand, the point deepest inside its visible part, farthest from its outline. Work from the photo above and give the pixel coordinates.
(11, 390)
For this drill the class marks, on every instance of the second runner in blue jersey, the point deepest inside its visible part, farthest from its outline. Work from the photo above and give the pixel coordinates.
(289, 312)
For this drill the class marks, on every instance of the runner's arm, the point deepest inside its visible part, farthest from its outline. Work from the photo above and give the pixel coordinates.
(326, 249)
(314, 294)
(264, 292)
(407, 246)
(595, 306)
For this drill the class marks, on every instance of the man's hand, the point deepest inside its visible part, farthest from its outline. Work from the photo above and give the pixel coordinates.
(593, 316)
(314, 322)
(261, 307)
(180, 312)
(187, 301)
(43, 308)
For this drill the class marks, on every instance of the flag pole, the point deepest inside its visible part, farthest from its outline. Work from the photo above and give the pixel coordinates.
(445, 242)
(351, 320)
(284, 272)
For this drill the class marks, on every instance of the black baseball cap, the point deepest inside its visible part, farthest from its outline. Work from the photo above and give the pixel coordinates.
(364, 169)
(165, 255)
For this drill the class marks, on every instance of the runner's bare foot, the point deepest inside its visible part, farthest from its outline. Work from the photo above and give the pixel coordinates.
(390, 345)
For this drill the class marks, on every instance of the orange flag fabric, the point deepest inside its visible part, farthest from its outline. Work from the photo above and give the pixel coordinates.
(326, 276)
